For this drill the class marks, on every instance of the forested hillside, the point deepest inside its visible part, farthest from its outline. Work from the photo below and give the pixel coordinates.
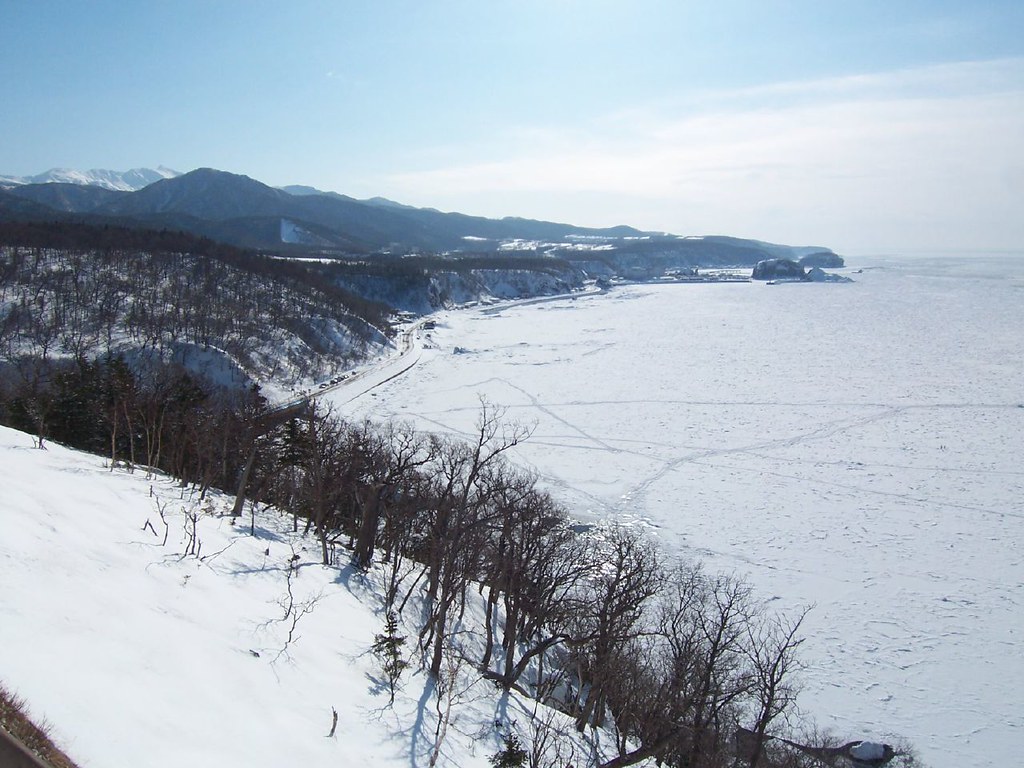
(73, 292)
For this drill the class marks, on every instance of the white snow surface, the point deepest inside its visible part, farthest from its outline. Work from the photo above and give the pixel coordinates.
(142, 655)
(868, 750)
(855, 447)
(295, 233)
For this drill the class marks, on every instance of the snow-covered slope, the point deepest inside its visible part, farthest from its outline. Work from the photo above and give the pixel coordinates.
(125, 181)
(144, 653)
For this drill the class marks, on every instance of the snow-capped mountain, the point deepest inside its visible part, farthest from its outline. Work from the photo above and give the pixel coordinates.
(122, 181)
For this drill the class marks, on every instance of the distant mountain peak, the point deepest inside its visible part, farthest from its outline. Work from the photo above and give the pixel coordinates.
(121, 181)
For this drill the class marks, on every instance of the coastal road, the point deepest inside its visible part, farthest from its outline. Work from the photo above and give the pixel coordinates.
(362, 380)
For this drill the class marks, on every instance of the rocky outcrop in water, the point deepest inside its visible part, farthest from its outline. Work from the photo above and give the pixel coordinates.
(778, 269)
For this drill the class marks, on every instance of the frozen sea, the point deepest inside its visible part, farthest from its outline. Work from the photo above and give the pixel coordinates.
(856, 447)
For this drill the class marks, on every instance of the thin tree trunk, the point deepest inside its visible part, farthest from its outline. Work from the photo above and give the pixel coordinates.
(236, 511)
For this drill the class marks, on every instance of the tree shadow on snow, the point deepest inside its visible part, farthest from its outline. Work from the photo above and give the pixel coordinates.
(417, 732)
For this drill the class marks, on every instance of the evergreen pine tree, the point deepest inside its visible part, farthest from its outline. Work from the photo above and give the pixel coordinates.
(387, 646)
(512, 755)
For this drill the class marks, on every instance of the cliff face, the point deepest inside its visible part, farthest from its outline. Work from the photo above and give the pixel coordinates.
(427, 292)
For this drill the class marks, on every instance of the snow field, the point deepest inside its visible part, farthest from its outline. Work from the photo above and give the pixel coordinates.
(856, 447)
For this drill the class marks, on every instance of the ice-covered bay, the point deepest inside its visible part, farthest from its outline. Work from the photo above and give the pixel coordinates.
(853, 446)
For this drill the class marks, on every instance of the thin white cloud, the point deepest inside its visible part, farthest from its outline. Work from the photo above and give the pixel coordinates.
(945, 79)
(908, 157)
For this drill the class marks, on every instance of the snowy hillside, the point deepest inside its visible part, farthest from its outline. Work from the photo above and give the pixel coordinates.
(142, 652)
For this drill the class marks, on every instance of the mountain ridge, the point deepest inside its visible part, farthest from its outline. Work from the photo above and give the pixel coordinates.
(124, 181)
(245, 212)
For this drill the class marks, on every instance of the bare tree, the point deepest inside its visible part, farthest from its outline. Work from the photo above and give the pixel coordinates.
(451, 685)
(677, 693)
(461, 493)
(619, 596)
(537, 569)
(390, 457)
(771, 650)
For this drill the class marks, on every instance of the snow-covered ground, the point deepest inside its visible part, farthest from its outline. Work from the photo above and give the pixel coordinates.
(852, 446)
(856, 446)
(145, 653)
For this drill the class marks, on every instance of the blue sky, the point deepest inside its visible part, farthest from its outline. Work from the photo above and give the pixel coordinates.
(864, 126)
